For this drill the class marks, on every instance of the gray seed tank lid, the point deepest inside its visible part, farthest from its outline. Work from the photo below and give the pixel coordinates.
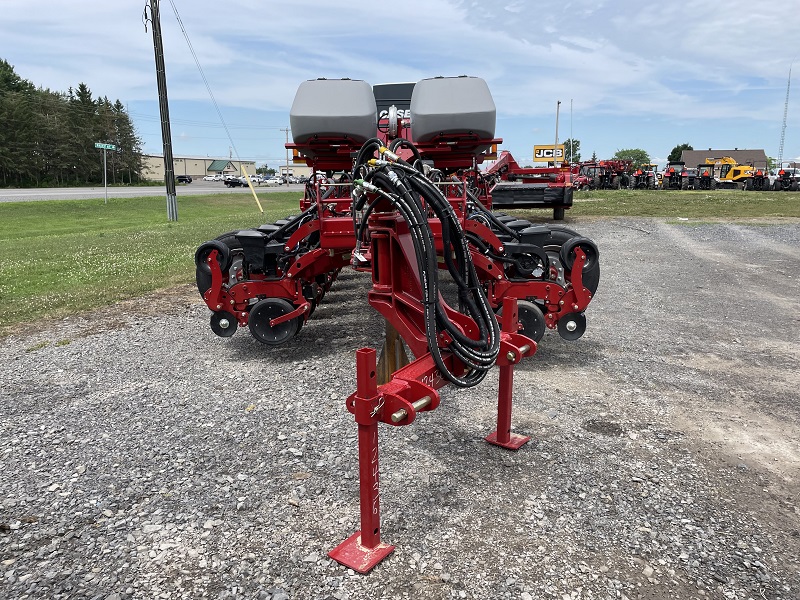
(333, 108)
(448, 105)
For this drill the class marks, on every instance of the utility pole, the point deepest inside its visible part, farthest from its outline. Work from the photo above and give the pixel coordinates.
(286, 130)
(163, 104)
(555, 146)
(571, 139)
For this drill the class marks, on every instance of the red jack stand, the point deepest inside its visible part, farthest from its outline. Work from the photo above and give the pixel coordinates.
(364, 549)
(502, 436)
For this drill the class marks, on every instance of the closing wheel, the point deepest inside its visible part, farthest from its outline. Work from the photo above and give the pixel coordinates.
(201, 256)
(572, 326)
(589, 248)
(263, 312)
(224, 324)
(203, 271)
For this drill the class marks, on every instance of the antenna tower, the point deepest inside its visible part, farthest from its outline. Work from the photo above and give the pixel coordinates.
(785, 113)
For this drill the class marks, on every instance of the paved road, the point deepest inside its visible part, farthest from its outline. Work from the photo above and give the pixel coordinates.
(194, 188)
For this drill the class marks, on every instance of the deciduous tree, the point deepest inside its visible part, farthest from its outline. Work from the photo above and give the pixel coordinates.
(675, 155)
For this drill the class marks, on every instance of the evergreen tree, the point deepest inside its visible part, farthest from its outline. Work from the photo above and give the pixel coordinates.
(48, 137)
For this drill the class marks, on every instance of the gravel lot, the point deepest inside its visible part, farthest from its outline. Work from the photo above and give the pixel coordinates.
(143, 457)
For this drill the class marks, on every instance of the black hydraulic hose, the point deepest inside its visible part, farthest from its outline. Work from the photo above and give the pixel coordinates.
(498, 223)
(405, 144)
(292, 221)
(406, 189)
(444, 211)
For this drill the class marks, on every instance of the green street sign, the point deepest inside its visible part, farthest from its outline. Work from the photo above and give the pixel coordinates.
(106, 146)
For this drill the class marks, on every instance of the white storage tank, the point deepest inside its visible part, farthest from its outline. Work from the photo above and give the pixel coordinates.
(340, 108)
(452, 105)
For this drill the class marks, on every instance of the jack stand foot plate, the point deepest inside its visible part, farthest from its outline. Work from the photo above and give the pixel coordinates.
(515, 441)
(352, 554)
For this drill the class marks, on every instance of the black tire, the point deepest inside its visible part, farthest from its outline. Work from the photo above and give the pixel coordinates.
(234, 253)
(615, 183)
(793, 186)
(559, 235)
(203, 270)
(748, 185)
(589, 248)
(684, 184)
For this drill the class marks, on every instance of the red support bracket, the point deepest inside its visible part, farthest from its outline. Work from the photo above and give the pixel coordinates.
(512, 348)
(364, 549)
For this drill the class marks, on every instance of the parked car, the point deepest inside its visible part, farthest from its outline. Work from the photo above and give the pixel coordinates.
(273, 181)
(212, 178)
(183, 179)
(235, 182)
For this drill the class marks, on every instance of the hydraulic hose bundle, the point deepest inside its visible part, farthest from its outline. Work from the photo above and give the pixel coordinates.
(405, 187)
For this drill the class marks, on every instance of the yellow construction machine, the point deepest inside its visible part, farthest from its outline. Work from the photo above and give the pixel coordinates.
(727, 173)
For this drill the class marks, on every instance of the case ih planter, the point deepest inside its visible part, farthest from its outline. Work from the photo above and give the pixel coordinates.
(408, 204)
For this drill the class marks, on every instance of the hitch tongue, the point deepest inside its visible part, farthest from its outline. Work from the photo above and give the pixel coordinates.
(418, 405)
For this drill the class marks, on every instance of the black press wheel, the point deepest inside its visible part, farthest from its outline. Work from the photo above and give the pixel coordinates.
(532, 320)
(263, 312)
(572, 326)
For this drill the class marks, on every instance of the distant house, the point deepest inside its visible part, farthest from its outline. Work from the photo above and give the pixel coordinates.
(755, 158)
(153, 167)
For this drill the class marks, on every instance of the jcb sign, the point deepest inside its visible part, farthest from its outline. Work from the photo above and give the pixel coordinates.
(545, 153)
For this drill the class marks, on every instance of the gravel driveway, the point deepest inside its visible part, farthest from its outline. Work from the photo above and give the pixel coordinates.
(143, 457)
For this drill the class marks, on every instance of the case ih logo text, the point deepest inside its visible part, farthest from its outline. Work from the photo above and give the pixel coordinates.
(403, 114)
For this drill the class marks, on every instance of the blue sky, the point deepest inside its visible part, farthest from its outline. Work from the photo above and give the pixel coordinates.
(636, 75)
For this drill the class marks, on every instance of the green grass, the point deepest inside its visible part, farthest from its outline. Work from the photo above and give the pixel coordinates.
(67, 256)
(718, 204)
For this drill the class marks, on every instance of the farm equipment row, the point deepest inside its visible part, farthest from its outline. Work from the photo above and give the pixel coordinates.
(714, 173)
(411, 207)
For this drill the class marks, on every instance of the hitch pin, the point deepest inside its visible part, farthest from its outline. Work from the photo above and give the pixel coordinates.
(403, 413)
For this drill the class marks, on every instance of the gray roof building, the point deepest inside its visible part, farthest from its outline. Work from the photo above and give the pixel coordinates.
(755, 158)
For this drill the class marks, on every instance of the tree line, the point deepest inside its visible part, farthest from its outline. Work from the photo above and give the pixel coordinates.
(47, 137)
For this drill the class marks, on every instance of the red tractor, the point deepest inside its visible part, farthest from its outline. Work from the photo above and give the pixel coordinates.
(787, 180)
(603, 175)
(759, 181)
(645, 177)
(676, 176)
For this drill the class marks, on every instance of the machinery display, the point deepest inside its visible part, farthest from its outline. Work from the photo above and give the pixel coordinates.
(399, 194)
(760, 180)
(611, 174)
(675, 176)
(645, 177)
(531, 187)
(787, 180)
(727, 173)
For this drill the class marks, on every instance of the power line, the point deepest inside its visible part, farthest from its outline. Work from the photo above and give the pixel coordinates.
(203, 75)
